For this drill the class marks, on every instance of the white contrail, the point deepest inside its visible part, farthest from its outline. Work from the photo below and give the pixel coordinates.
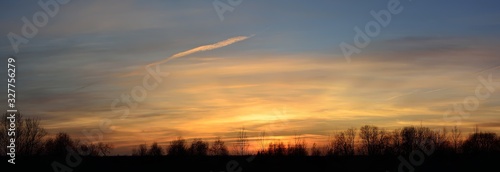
(182, 54)
(204, 48)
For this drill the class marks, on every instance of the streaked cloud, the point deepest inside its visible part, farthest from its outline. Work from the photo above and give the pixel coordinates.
(204, 48)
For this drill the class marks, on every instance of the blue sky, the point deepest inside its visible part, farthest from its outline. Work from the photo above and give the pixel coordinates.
(320, 25)
(90, 52)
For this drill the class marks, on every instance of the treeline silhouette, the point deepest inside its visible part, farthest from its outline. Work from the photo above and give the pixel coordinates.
(369, 140)
(179, 147)
(33, 140)
(368, 148)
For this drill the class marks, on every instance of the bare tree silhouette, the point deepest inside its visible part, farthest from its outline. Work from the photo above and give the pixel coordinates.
(87, 149)
(350, 139)
(315, 150)
(241, 145)
(408, 141)
(396, 142)
(198, 148)
(141, 150)
(330, 146)
(385, 142)
(58, 146)
(90, 149)
(342, 143)
(104, 148)
(482, 142)
(412, 138)
(155, 150)
(299, 148)
(456, 138)
(262, 139)
(177, 148)
(276, 149)
(372, 140)
(31, 140)
(218, 148)
(28, 136)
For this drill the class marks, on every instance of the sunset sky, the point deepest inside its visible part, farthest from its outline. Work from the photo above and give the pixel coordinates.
(278, 67)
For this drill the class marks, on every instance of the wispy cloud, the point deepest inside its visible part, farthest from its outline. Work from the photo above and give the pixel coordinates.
(406, 94)
(204, 48)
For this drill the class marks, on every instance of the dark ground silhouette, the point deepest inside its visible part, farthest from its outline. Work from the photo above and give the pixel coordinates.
(240, 163)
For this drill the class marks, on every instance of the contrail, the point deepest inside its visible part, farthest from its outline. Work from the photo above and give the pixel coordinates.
(204, 48)
(185, 53)
(393, 97)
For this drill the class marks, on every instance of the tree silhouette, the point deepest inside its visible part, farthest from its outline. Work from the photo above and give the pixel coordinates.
(29, 135)
(425, 135)
(241, 145)
(104, 148)
(30, 139)
(441, 141)
(385, 140)
(456, 139)
(155, 150)
(396, 142)
(408, 140)
(59, 145)
(198, 148)
(315, 151)
(413, 138)
(218, 148)
(372, 140)
(141, 150)
(276, 149)
(330, 149)
(349, 145)
(343, 143)
(298, 149)
(262, 139)
(482, 142)
(177, 148)
(90, 149)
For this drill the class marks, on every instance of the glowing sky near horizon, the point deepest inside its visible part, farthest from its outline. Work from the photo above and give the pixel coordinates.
(288, 79)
